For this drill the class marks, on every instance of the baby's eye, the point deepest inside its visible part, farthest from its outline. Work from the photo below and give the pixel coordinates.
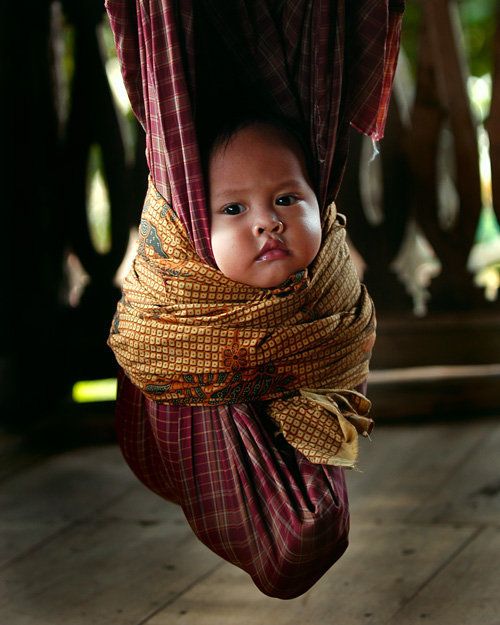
(286, 200)
(233, 209)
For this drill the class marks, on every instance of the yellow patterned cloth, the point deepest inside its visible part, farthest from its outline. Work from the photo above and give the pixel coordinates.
(187, 335)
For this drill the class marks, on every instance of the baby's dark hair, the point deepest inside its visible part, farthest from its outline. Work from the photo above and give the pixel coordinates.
(221, 137)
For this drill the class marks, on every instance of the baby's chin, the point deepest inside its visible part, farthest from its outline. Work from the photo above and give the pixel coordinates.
(292, 279)
(270, 283)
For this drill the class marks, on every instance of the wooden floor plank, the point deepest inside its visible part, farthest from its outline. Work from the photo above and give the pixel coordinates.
(14, 457)
(86, 544)
(405, 466)
(113, 569)
(43, 499)
(472, 492)
(466, 592)
(383, 566)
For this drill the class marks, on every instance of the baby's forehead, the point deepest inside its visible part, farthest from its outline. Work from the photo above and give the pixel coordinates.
(252, 141)
(257, 157)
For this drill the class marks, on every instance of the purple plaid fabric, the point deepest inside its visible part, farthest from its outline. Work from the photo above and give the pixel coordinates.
(246, 493)
(326, 64)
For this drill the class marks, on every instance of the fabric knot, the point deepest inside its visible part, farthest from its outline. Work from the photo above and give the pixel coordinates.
(323, 424)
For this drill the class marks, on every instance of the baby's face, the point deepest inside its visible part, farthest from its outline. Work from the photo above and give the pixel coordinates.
(265, 222)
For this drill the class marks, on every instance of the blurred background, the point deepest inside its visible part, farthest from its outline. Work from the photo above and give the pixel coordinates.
(422, 217)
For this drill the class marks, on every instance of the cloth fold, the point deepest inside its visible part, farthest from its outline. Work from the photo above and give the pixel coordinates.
(326, 64)
(187, 335)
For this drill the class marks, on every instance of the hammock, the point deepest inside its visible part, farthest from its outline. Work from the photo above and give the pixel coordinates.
(247, 494)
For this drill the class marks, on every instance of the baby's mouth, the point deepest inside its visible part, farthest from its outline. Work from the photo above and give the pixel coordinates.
(273, 250)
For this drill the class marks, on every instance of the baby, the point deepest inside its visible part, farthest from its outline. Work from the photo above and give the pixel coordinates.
(216, 366)
(265, 219)
(195, 335)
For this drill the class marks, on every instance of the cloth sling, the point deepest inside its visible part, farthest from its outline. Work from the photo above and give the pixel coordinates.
(248, 495)
(186, 334)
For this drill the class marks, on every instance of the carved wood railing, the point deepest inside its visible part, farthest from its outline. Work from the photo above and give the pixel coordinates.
(59, 111)
(47, 344)
(93, 122)
(459, 337)
(493, 122)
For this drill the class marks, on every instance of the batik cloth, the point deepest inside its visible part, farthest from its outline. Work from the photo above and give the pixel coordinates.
(187, 335)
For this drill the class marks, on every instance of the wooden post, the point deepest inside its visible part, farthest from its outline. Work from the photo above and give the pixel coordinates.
(442, 99)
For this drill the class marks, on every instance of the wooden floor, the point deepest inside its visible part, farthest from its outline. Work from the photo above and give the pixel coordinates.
(84, 544)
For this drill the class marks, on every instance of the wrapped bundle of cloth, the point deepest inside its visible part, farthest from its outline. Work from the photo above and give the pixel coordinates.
(240, 399)
(187, 335)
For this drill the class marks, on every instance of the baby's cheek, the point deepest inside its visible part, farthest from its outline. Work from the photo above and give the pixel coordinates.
(217, 249)
(312, 239)
(220, 238)
(227, 252)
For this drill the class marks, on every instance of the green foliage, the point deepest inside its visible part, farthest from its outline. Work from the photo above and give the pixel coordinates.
(478, 20)
(410, 32)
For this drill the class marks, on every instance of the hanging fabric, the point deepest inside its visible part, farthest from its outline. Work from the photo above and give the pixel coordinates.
(324, 63)
(247, 493)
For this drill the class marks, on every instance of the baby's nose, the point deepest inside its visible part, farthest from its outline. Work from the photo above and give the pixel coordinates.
(269, 223)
